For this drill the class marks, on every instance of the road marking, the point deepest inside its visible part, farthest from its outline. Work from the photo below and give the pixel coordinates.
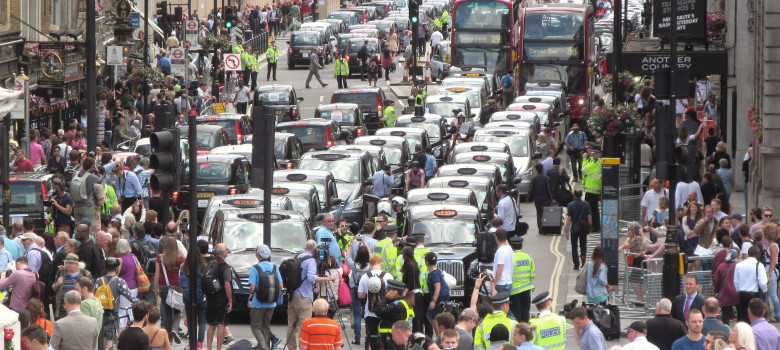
(556, 274)
(320, 98)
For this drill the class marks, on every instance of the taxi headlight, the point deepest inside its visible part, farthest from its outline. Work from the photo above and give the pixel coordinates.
(355, 204)
(581, 101)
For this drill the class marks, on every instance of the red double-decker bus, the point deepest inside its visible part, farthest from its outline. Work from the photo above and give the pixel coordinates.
(482, 34)
(556, 43)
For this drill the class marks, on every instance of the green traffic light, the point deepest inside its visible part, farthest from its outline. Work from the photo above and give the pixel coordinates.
(228, 24)
(414, 19)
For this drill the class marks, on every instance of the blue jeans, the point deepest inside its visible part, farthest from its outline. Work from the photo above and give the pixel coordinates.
(771, 287)
(357, 313)
(506, 288)
(200, 316)
(745, 192)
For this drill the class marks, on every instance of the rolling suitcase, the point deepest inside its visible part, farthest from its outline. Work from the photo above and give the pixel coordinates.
(552, 220)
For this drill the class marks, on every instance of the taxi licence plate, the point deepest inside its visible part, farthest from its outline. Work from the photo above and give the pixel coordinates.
(205, 195)
(202, 203)
(302, 51)
(278, 112)
(456, 293)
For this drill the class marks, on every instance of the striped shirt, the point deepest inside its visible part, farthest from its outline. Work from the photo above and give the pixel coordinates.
(320, 333)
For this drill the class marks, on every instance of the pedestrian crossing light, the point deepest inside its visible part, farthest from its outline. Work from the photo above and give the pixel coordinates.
(414, 11)
(229, 17)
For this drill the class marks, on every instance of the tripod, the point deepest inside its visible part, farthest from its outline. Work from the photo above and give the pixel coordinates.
(334, 305)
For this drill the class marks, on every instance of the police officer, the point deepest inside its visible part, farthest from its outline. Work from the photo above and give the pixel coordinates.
(500, 302)
(445, 22)
(272, 55)
(424, 296)
(437, 24)
(391, 308)
(384, 208)
(245, 64)
(550, 330)
(386, 248)
(341, 67)
(388, 115)
(523, 271)
(591, 182)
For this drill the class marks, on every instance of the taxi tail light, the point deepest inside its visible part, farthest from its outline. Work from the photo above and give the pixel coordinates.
(360, 131)
(294, 112)
(289, 165)
(289, 51)
(348, 58)
(44, 192)
(175, 197)
(232, 191)
(378, 104)
(328, 139)
(238, 134)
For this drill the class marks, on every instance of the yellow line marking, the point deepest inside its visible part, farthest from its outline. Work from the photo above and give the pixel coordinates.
(556, 274)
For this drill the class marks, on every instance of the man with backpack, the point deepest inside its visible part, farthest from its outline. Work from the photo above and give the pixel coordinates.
(265, 283)
(34, 254)
(300, 278)
(86, 190)
(217, 285)
(371, 298)
(108, 289)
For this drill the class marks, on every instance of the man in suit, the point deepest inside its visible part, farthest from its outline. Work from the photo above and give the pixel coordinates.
(663, 330)
(75, 331)
(540, 192)
(314, 70)
(691, 300)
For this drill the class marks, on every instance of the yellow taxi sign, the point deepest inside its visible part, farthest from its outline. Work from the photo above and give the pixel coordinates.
(219, 107)
(280, 190)
(445, 213)
(457, 89)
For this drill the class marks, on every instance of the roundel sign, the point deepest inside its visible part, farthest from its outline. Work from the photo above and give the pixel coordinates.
(192, 25)
(232, 62)
(177, 54)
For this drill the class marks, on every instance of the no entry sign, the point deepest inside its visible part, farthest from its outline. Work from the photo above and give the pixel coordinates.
(232, 62)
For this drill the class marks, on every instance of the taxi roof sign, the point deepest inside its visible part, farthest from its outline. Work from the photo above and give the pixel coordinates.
(398, 133)
(535, 99)
(243, 202)
(260, 217)
(458, 183)
(438, 196)
(418, 119)
(378, 142)
(445, 213)
(467, 171)
(281, 190)
(479, 148)
(529, 107)
(330, 156)
(481, 158)
(296, 177)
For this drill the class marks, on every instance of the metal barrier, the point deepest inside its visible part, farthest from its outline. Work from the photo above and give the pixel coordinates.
(704, 277)
(630, 204)
(259, 43)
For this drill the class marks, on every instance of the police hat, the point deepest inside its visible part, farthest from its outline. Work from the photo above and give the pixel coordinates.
(391, 102)
(391, 228)
(499, 298)
(516, 240)
(542, 297)
(397, 285)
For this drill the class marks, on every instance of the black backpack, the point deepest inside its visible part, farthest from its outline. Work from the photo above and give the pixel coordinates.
(44, 273)
(146, 253)
(211, 281)
(38, 288)
(292, 271)
(267, 287)
(373, 298)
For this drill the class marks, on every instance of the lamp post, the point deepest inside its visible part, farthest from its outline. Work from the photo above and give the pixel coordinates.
(26, 91)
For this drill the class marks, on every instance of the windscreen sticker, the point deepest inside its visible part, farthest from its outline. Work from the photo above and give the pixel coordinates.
(336, 116)
(273, 97)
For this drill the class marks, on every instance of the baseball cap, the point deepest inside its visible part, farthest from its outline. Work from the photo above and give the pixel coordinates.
(470, 313)
(264, 251)
(28, 235)
(638, 326)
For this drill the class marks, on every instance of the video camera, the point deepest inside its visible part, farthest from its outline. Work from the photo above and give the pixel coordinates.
(566, 312)
(323, 256)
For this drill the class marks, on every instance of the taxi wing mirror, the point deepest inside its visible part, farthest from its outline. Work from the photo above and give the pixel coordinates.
(300, 99)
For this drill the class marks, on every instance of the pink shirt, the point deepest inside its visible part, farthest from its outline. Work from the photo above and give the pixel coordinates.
(22, 281)
(36, 152)
(415, 179)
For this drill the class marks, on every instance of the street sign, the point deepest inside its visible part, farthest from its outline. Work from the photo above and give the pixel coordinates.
(123, 9)
(691, 21)
(184, 17)
(193, 39)
(232, 62)
(178, 69)
(19, 85)
(114, 55)
(192, 25)
(177, 54)
(219, 107)
(187, 45)
(135, 19)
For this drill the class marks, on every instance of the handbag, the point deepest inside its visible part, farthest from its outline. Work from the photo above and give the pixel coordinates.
(581, 284)
(174, 298)
(345, 296)
(452, 282)
(141, 278)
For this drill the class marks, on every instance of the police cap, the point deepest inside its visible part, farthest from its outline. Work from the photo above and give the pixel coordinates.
(395, 284)
(499, 298)
(542, 297)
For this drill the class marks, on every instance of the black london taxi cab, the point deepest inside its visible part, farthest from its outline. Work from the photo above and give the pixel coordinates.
(288, 149)
(304, 198)
(237, 126)
(250, 200)
(317, 134)
(208, 137)
(322, 180)
(282, 99)
(483, 187)
(347, 115)
(397, 154)
(437, 128)
(370, 99)
(413, 136)
(221, 174)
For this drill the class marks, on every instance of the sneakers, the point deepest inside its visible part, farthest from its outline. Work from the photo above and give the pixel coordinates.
(275, 343)
(228, 338)
(175, 338)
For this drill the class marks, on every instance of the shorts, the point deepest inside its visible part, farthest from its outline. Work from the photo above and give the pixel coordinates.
(110, 320)
(216, 312)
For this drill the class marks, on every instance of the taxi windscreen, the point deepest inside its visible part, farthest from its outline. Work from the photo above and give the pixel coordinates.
(229, 125)
(346, 170)
(343, 117)
(366, 100)
(212, 172)
(275, 97)
(446, 230)
(310, 136)
(518, 145)
(286, 234)
(305, 40)
(444, 108)
(24, 194)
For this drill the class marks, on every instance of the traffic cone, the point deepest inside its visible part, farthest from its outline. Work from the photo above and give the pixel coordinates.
(406, 74)
(427, 73)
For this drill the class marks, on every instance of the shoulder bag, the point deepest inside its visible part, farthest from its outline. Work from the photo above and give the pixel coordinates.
(140, 277)
(174, 298)
(583, 226)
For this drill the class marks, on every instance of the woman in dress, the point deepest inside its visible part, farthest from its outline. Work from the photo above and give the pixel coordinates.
(167, 273)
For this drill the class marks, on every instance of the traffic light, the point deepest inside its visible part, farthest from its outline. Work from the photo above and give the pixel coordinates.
(178, 14)
(230, 17)
(685, 159)
(162, 12)
(165, 160)
(414, 11)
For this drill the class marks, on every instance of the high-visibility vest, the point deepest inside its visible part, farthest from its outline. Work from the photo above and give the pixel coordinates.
(111, 198)
(419, 255)
(409, 315)
(419, 100)
(550, 331)
(591, 176)
(522, 272)
(445, 17)
(50, 229)
(482, 337)
(387, 250)
(272, 54)
(238, 49)
(341, 67)
(245, 60)
(390, 221)
(397, 272)
(437, 23)
(388, 117)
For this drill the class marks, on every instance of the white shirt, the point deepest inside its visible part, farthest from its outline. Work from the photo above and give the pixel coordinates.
(745, 246)
(203, 94)
(682, 190)
(745, 276)
(504, 256)
(507, 212)
(363, 287)
(547, 164)
(650, 201)
(720, 215)
(640, 343)
(436, 37)
(242, 94)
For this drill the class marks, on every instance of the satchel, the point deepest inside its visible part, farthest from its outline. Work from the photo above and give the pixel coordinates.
(174, 298)
(581, 285)
(345, 296)
(141, 278)
(583, 225)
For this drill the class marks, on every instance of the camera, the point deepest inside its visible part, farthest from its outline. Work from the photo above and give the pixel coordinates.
(139, 197)
(567, 308)
(359, 237)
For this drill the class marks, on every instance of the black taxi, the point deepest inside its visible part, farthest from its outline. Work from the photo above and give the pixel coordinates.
(303, 44)
(322, 180)
(237, 126)
(219, 174)
(450, 231)
(317, 134)
(281, 99)
(242, 231)
(352, 173)
(288, 149)
(304, 198)
(347, 115)
(438, 131)
(396, 151)
(370, 99)
(250, 200)
(483, 187)
(208, 137)
(487, 170)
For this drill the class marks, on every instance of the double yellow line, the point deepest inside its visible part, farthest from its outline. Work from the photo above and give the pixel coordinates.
(555, 277)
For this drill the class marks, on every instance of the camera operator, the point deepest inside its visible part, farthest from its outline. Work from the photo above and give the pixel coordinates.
(365, 237)
(326, 231)
(61, 206)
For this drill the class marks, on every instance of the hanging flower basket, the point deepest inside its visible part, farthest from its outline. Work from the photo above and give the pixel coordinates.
(716, 26)
(153, 76)
(221, 42)
(625, 80)
(755, 123)
(613, 120)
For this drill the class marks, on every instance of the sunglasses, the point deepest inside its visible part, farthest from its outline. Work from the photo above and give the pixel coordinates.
(342, 225)
(768, 215)
(380, 221)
